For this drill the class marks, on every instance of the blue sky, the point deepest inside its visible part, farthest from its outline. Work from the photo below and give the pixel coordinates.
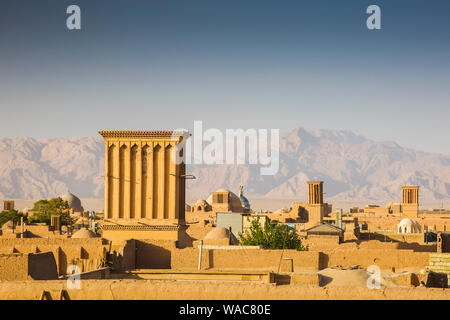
(233, 64)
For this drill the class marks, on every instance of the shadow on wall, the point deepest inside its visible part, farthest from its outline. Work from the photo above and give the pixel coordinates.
(211, 259)
(324, 280)
(417, 247)
(437, 280)
(42, 266)
(151, 256)
(402, 241)
(84, 254)
(62, 262)
(323, 261)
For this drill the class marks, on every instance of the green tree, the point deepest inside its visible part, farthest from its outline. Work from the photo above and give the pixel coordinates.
(44, 209)
(8, 215)
(273, 236)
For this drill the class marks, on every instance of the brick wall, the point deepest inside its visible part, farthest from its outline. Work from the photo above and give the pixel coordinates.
(439, 262)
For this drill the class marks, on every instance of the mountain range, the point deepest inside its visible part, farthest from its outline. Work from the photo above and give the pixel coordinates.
(352, 167)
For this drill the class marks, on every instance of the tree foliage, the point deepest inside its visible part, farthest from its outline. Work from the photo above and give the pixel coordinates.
(273, 236)
(44, 209)
(10, 215)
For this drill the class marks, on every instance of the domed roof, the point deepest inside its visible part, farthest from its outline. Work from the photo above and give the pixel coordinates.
(413, 225)
(220, 233)
(244, 201)
(233, 198)
(83, 233)
(201, 202)
(74, 201)
(407, 222)
(217, 233)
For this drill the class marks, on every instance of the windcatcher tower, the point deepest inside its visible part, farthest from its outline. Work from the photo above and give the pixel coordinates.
(315, 192)
(144, 185)
(410, 201)
(316, 207)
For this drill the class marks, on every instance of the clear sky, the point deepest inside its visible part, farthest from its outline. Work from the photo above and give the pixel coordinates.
(231, 63)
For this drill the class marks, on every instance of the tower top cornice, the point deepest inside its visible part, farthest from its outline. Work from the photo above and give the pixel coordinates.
(164, 134)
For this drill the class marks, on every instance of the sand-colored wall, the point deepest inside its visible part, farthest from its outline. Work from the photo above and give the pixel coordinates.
(13, 266)
(320, 242)
(147, 254)
(123, 257)
(154, 254)
(39, 231)
(401, 237)
(246, 259)
(385, 259)
(386, 255)
(102, 273)
(206, 290)
(17, 266)
(390, 222)
(86, 253)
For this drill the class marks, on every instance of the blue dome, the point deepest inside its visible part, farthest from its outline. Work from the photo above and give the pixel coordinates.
(245, 202)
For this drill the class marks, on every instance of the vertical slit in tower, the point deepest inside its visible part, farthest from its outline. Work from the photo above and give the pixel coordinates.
(110, 174)
(168, 183)
(144, 190)
(133, 182)
(123, 150)
(157, 183)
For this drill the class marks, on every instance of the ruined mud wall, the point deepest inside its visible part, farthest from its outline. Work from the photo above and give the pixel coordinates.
(13, 266)
(39, 231)
(18, 266)
(87, 254)
(123, 256)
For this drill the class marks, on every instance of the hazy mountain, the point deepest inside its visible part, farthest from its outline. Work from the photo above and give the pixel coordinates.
(31, 168)
(354, 168)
